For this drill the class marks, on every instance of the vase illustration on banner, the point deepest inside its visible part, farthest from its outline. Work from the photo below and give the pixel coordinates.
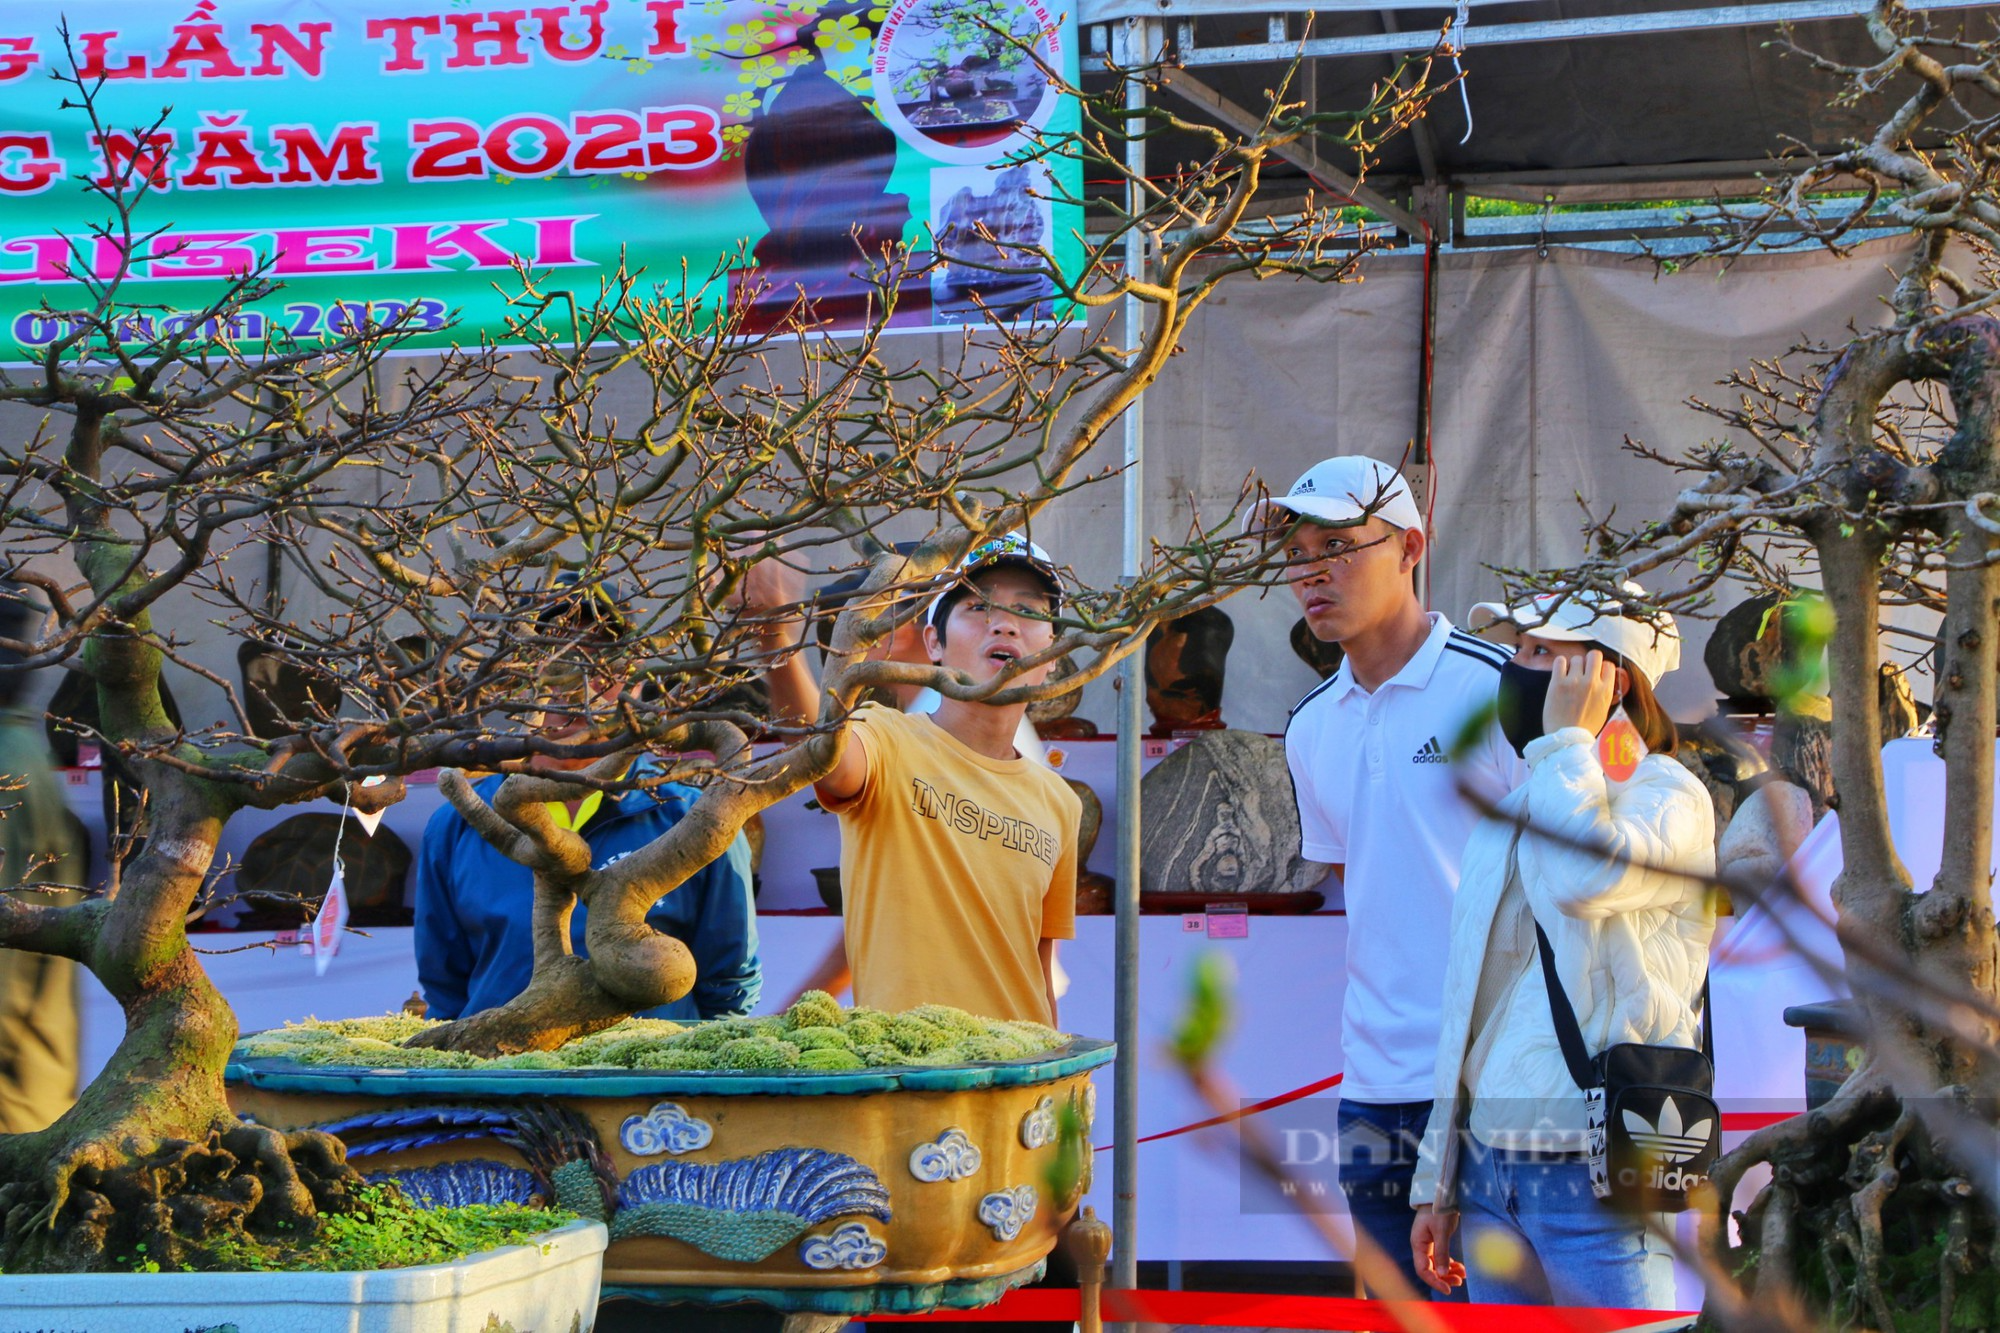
(818, 164)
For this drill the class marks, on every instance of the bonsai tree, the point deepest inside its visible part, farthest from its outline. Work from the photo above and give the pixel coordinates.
(427, 529)
(1875, 474)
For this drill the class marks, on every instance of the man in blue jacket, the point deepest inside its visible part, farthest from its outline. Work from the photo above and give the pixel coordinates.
(475, 907)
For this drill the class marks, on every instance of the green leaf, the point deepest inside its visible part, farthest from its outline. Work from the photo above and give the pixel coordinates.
(1208, 1015)
(1473, 730)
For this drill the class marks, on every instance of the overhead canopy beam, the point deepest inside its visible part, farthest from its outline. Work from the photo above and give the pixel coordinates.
(1186, 86)
(1103, 11)
(1488, 34)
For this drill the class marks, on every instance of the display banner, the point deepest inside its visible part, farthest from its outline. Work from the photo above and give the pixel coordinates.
(396, 158)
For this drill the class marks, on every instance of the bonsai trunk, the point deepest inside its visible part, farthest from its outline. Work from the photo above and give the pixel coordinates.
(1885, 1169)
(150, 1164)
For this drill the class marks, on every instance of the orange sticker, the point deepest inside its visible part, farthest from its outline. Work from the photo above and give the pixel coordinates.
(1620, 748)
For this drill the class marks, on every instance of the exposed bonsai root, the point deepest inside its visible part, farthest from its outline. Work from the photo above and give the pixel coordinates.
(1864, 1206)
(120, 1205)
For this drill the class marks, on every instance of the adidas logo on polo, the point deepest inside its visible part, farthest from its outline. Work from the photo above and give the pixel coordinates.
(1668, 1140)
(1432, 753)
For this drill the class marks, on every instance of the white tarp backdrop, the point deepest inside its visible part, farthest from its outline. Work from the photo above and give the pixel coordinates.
(1543, 366)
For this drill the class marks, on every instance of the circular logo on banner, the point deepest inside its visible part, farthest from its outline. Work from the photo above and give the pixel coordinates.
(954, 79)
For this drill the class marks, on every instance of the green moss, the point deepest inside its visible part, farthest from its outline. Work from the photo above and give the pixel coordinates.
(760, 1052)
(815, 1039)
(984, 1047)
(853, 1039)
(913, 1036)
(387, 1231)
(865, 1027)
(828, 1059)
(674, 1058)
(529, 1060)
(950, 1020)
(815, 1009)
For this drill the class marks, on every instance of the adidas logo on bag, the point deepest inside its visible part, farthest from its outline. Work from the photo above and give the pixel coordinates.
(1667, 1144)
(1432, 753)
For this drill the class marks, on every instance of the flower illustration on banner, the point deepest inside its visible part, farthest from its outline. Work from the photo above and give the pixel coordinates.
(1007, 1211)
(851, 1246)
(843, 34)
(740, 104)
(749, 38)
(798, 56)
(952, 1157)
(759, 73)
(1038, 1127)
(735, 134)
(666, 1128)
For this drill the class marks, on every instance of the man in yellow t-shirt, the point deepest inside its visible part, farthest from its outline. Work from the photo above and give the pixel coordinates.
(958, 855)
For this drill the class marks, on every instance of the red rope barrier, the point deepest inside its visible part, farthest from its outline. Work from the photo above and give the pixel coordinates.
(1231, 1117)
(1219, 1309)
(1741, 1122)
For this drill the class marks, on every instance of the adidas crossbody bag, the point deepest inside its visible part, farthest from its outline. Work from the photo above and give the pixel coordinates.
(1652, 1125)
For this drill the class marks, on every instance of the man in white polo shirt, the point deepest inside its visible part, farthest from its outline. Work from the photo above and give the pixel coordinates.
(1377, 786)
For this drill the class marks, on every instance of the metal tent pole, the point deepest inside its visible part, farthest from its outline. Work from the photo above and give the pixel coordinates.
(1137, 43)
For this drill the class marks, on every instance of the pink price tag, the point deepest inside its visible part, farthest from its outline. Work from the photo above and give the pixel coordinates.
(1194, 923)
(1229, 925)
(1152, 749)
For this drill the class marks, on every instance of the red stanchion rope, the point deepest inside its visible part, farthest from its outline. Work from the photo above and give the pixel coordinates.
(1220, 1309)
(1736, 1123)
(1231, 1117)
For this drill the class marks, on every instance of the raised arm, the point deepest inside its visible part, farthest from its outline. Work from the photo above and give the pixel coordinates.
(773, 596)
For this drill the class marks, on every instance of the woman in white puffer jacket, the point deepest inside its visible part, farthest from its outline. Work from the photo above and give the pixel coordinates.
(1505, 1145)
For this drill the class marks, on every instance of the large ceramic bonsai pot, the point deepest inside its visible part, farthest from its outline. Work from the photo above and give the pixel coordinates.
(877, 1190)
(550, 1285)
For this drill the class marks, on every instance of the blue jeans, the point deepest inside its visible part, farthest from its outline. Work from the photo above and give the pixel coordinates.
(1534, 1234)
(1377, 1156)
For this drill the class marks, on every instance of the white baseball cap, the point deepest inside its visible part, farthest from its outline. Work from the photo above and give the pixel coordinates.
(1346, 489)
(1652, 647)
(1011, 549)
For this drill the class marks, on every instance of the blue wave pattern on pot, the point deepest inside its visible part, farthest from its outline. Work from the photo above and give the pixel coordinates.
(455, 1184)
(564, 1160)
(850, 1246)
(953, 1156)
(667, 1128)
(746, 1210)
(423, 1127)
(1005, 1212)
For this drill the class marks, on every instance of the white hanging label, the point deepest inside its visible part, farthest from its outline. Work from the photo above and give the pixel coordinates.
(332, 919)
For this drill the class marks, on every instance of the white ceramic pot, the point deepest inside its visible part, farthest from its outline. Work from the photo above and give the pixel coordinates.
(549, 1285)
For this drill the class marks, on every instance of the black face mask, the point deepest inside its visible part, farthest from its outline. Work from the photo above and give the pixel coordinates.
(1523, 691)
